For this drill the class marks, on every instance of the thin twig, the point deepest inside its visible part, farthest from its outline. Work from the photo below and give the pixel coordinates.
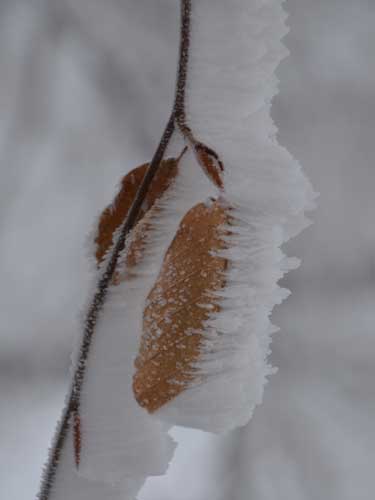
(72, 407)
(183, 60)
(92, 316)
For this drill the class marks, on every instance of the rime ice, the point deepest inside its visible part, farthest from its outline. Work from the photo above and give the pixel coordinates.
(235, 49)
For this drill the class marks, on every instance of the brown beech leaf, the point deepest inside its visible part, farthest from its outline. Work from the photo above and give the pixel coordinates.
(210, 162)
(115, 213)
(178, 305)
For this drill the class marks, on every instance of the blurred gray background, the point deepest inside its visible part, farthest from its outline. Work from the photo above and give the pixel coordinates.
(85, 88)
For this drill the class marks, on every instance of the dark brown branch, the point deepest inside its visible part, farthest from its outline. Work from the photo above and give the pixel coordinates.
(72, 407)
(71, 414)
(183, 60)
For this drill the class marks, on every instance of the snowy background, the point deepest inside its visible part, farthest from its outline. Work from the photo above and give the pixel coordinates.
(84, 92)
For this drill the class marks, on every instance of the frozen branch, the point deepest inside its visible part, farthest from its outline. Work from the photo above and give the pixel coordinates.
(73, 405)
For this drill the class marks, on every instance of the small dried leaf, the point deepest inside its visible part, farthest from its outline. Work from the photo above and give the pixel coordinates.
(115, 213)
(178, 305)
(210, 162)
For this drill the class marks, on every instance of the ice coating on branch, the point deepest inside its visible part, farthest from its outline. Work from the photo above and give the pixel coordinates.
(120, 440)
(235, 49)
